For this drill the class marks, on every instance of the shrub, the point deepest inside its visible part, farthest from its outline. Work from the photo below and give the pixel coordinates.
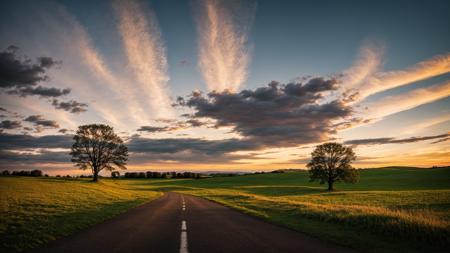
(36, 173)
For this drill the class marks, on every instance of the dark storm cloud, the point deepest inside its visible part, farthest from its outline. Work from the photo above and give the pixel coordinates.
(27, 142)
(20, 75)
(10, 124)
(276, 115)
(390, 140)
(71, 106)
(39, 120)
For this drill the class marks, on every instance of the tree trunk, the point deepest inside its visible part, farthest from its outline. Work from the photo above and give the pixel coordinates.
(95, 179)
(330, 185)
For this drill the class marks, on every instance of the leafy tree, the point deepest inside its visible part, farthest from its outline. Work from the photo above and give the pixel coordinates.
(97, 147)
(330, 163)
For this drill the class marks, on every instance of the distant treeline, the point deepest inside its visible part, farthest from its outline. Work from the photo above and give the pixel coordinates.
(155, 174)
(148, 174)
(23, 173)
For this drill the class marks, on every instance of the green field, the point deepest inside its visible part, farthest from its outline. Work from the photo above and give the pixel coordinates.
(390, 209)
(36, 210)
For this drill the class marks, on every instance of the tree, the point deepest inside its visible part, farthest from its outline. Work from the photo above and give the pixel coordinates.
(97, 147)
(115, 174)
(331, 163)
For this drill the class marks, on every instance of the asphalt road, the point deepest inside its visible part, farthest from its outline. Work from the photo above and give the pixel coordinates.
(178, 223)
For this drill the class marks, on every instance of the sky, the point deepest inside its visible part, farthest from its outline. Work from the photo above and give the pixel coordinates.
(211, 85)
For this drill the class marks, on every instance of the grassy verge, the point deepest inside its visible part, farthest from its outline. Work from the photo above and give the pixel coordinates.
(36, 210)
(390, 210)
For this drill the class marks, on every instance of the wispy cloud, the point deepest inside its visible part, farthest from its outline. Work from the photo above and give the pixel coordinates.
(365, 79)
(99, 69)
(423, 125)
(407, 100)
(83, 68)
(391, 140)
(368, 62)
(146, 53)
(223, 37)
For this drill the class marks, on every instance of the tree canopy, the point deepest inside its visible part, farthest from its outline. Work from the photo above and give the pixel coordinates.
(97, 147)
(330, 163)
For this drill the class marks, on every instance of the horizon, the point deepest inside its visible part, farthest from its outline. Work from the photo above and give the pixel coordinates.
(225, 85)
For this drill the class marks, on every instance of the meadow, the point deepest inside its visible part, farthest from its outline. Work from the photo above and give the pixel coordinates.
(36, 210)
(389, 210)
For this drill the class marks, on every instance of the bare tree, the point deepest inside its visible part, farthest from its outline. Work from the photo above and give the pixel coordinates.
(97, 147)
(330, 163)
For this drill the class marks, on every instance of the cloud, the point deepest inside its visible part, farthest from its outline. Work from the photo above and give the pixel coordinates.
(63, 130)
(39, 120)
(71, 106)
(193, 145)
(19, 76)
(223, 28)
(152, 129)
(277, 115)
(15, 72)
(368, 62)
(9, 159)
(381, 81)
(391, 140)
(441, 140)
(406, 100)
(10, 124)
(39, 91)
(36, 149)
(173, 125)
(187, 157)
(146, 53)
(28, 142)
(84, 67)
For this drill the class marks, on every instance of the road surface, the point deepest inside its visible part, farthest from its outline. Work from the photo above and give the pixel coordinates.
(178, 223)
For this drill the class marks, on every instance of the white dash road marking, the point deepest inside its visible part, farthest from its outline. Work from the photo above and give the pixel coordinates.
(184, 243)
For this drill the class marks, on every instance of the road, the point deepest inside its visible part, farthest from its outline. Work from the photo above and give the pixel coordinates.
(181, 223)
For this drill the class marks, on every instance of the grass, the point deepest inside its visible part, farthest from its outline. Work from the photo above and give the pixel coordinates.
(34, 211)
(389, 210)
